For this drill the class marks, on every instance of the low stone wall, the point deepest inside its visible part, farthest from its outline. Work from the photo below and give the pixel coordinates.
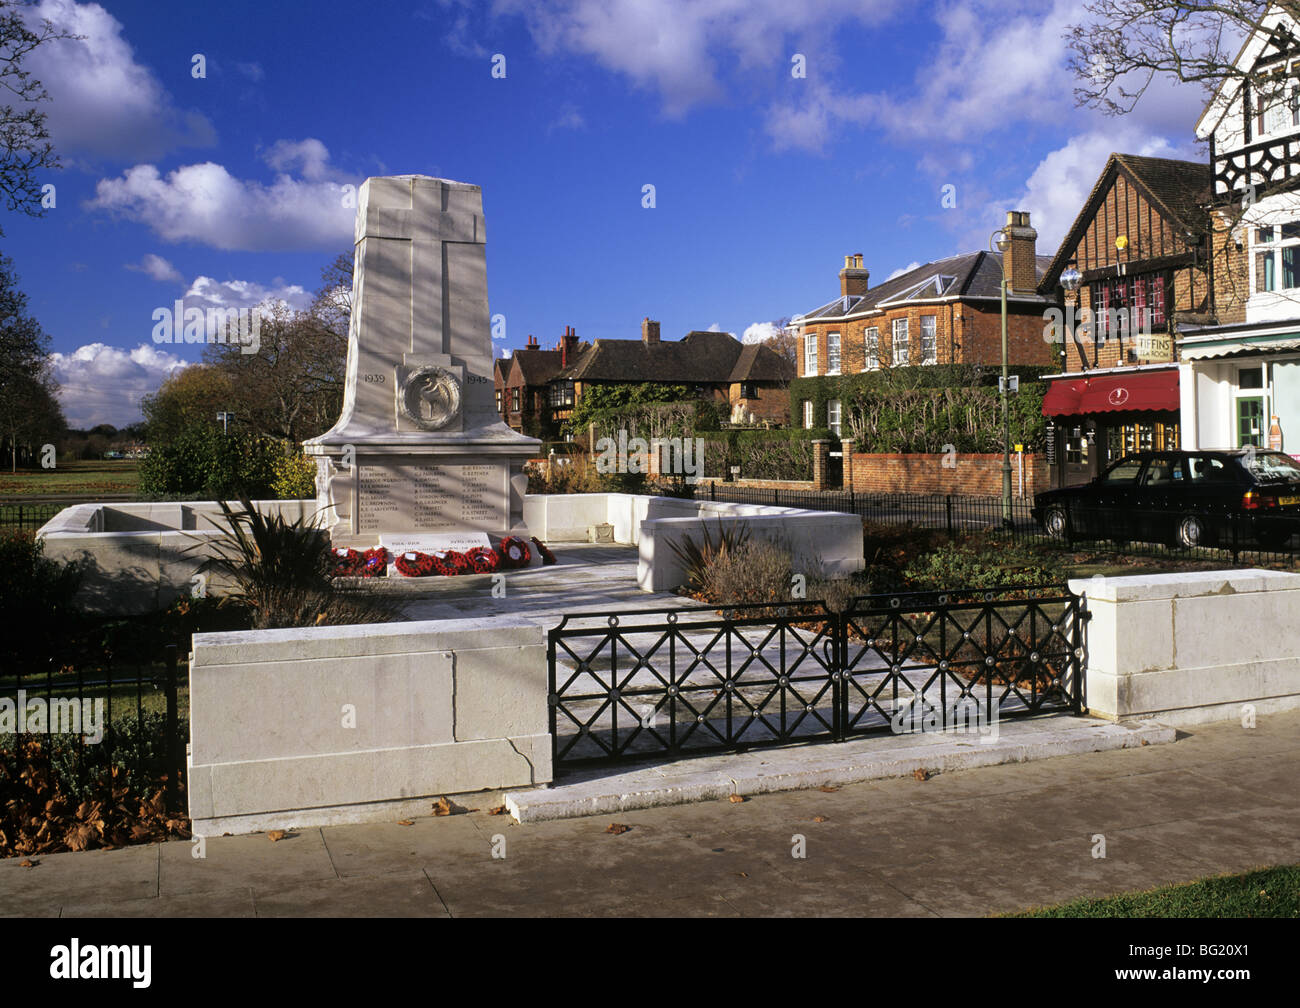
(141, 557)
(826, 540)
(349, 724)
(1189, 648)
(973, 475)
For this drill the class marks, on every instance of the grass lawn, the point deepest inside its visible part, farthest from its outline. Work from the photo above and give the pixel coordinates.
(73, 479)
(1268, 892)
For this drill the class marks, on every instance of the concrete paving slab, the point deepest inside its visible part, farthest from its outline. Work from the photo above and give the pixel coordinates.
(380, 848)
(797, 768)
(400, 894)
(234, 902)
(966, 842)
(249, 860)
(78, 876)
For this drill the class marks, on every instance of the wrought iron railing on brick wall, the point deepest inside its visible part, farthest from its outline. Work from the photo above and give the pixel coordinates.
(668, 682)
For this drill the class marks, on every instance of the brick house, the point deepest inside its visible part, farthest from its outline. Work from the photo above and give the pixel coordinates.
(714, 365)
(1240, 374)
(945, 312)
(1140, 245)
(523, 388)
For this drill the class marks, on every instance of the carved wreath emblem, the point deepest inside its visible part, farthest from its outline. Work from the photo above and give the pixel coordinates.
(430, 397)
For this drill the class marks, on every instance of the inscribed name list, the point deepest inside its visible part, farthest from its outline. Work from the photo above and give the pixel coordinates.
(427, 497)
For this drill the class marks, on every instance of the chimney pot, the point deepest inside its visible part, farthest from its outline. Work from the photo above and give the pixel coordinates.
(854, 277)
(1019, 260)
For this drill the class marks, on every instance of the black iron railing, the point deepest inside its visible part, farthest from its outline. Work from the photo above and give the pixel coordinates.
(1222, 534)
(666, 682)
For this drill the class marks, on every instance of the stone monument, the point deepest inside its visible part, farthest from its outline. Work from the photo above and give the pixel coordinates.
(420, 448)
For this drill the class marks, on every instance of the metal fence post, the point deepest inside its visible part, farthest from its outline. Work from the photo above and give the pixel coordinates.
(173, 732)
(947, 502)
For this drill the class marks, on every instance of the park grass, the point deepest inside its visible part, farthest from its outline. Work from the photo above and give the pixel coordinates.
(1265, 892)
(83, 478)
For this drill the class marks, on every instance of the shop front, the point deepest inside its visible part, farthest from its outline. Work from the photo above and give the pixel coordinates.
(1097, 417)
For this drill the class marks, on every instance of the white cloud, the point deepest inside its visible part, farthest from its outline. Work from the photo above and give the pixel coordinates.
(681, 48)
(568, 118)
(102, 101)
(904, 269)
(1005, 63)
(760, 332)
(158, 268)
(104, 384)
(204, 203)
(809, 121)
(309, 156)
(206, 292)
(1057, 187)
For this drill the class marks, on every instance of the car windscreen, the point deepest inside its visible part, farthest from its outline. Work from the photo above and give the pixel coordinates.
(1269, 467)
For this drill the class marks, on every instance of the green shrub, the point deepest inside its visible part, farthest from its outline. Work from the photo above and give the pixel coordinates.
(203, 462)
(138, 748)
(294, 479)
(980, 565)
(36, 597)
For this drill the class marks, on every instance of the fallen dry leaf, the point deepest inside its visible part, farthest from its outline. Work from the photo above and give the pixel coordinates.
(276, 835)
(737, 798)
(616, 828)
(27, 863)
(921, 774)
(829, 788)
(743, 874)
(445, 806)
(819, 818)
(499, 810)
(405, 822)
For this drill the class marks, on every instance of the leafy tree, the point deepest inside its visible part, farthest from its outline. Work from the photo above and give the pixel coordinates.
(187, 399)
(25, 148)
(206, 463)
(28, 408)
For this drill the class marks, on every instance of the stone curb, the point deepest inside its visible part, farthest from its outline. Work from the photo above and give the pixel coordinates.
(712, 778)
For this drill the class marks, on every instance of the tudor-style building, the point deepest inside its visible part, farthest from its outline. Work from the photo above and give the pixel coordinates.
(945, 312)
(1241, 373)
(1140, 246)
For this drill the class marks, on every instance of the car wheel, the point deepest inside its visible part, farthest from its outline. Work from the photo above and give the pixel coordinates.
(1056, 522)
(1191, 532)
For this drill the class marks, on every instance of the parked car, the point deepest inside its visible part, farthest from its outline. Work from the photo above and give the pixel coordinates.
(1185, 498)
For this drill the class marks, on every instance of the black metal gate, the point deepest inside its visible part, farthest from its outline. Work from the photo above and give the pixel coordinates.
(666, 682)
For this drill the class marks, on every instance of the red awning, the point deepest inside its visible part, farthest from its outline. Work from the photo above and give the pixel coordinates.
(1141, 390)
(1062, 398)
(1113, 393)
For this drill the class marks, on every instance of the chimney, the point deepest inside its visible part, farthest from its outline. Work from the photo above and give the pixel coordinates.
(854, 277)
(532, 343)
(1019, 259)
(568, 347)
(649, 331)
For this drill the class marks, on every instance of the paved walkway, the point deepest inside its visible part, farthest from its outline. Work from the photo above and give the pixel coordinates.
(973, 842)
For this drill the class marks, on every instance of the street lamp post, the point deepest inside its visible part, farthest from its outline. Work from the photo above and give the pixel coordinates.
(225, 419)
(1003, 241)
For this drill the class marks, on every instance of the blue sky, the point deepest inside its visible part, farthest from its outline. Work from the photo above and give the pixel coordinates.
(226, 189)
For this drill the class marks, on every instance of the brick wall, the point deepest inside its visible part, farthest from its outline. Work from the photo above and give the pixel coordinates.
(976, 475)
(1231, 270)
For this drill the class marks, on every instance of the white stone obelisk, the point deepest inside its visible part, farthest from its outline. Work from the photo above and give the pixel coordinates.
(419, 447)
